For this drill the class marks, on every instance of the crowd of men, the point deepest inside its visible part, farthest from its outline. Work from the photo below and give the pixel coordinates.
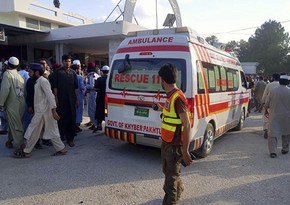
(39, 101)
(272, 98)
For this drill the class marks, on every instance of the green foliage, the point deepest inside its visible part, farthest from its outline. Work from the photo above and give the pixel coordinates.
(212, 39)
(269, 47)
(232, 45)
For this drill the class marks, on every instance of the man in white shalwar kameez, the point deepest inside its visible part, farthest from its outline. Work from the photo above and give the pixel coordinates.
(278, 103)
(45, 115)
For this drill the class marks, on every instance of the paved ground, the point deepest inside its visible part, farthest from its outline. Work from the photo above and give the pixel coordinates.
(100, 170)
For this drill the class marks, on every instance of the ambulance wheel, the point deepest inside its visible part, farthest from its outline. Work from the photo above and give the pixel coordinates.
(241, 122)
(207, 144)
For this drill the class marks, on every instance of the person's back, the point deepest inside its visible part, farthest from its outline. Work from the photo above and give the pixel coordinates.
(259, 90)
(258, 93)
(280, 103)
(100, 86)
(269, 87)
(23, 72)
(12, 99)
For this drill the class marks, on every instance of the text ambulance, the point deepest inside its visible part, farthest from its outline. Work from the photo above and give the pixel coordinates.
(212, 80)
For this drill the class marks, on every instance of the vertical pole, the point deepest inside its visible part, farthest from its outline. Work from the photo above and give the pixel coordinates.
(156, 15)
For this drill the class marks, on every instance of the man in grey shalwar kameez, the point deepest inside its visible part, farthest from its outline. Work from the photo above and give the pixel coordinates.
(267, 90)
(12, 101)
(278, 103)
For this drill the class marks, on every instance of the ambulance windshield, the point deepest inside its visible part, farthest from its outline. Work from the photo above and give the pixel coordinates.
(142, 74)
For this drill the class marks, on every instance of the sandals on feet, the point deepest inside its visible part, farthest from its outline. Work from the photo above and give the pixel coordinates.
(59, 153)
(19, 153)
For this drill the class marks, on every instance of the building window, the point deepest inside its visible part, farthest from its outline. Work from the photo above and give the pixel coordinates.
(32, 23)
(42, 53)
(45, 26)
(38, 25)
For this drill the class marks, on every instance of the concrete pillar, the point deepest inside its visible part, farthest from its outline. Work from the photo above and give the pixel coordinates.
(60, 49)
(30, 53)
(113, 45)
(58, 52)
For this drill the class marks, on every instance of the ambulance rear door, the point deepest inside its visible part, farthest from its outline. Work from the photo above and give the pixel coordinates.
(133, 86)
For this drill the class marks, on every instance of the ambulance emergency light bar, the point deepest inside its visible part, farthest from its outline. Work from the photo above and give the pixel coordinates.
(192, 34)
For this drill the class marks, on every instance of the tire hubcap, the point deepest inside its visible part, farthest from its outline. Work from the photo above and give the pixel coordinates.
(209, 140)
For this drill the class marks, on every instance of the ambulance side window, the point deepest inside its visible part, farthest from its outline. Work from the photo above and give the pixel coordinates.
(223, 79)
(210, 77)
(230, 80)
(200, 82)
(236, 80)
(217, 74)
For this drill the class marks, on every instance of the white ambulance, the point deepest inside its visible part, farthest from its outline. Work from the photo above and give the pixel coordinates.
(211, 79)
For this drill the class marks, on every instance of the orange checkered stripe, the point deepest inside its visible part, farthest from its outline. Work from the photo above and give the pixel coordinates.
(121, 135)
(197, 143)
(225, 128)
(201, 53)
(202, 105)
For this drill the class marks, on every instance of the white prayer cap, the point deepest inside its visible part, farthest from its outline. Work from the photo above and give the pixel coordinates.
(76, 62)
(285, 77)
(13, 60)
(105, 68)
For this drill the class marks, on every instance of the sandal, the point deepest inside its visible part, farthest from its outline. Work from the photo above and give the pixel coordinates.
(273, 155)
(61, 152)
(19, 153)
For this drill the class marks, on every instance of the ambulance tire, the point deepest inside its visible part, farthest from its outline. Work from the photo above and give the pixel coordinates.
(241, 122)
(207, 144)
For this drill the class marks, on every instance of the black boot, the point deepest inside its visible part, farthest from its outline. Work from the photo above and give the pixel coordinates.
(38, 145)
(265, 134)
(99, 127)
(92, 127)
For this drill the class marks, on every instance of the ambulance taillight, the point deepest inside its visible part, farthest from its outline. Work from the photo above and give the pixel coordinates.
(106, 105)
(190, 102)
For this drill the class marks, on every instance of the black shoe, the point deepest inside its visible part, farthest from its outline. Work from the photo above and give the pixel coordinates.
(266, 134)
(3, 132)
(62, 138)
(95, 130)
(46, 143)
(284, 151)
(273, 155)
(71, 143)
(38, 146)
(92, 127)
(78, 129)
(99, 128)
(9, 144)
(88, 124)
